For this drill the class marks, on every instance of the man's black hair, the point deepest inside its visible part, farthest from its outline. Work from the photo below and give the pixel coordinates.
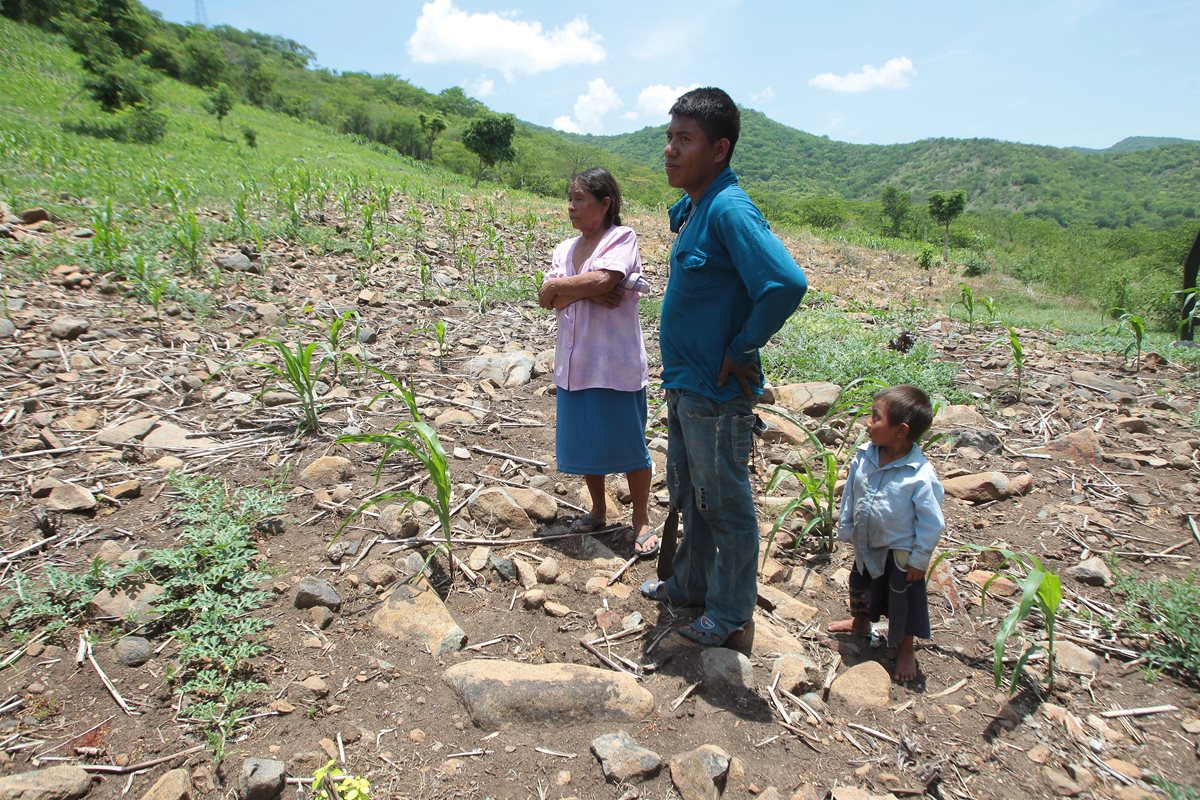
(716, 113)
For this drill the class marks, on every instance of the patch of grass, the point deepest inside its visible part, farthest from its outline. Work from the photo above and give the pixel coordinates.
(208, 603)
(1167, 610)
(824, 344)
(1176, 791)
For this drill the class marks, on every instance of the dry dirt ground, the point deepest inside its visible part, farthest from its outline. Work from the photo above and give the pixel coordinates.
(1127, 485)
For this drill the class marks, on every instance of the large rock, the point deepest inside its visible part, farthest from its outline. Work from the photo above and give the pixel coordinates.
(126, 432)
(796, 673)
(502, 693)
(813, 398)
(174, 785)
(982, 487)
(238, 262)
(262, 778)
(506, 369)
(68, 328)
(69, 497)
(1114, 390)
(495, 508)
(413, 611)
(134, 611)
(623, 759)
(785, 606)
(959, 417)
(697, 773)
(864, 685)
(168, 436)
(780, 428)
(535, 503)
(53, 783)
(761, 637)
(314, 592)
(1082, 446)
(1073, 658)
(728, 669)
(327, 471)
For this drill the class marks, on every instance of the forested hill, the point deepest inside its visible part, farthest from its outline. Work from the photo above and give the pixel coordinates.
(1131, 183)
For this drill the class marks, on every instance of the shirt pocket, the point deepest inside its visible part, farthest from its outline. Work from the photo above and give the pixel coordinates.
(697, 271)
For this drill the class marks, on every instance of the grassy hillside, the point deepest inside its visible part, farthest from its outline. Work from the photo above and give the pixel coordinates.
(1127, 185)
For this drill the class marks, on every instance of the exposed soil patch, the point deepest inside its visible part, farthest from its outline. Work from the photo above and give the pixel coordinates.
(1111, 463)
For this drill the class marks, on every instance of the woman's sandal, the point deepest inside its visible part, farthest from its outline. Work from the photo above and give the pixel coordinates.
(656, 591)
(702, 631)
(650, 533)
(586, 524)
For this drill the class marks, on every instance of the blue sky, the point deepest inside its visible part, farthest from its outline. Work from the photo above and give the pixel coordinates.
(1056, 72)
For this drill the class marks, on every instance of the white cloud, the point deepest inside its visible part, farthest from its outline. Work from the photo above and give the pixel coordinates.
(656, 100)
(765, 96)
(591, 108)
(566, 125)
(481, 88)
(895, 74)
(512, 46)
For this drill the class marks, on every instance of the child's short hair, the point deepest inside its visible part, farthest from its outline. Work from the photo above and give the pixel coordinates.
(716, 113)
(909, 405)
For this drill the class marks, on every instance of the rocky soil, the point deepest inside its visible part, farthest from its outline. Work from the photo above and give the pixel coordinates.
(539, 671)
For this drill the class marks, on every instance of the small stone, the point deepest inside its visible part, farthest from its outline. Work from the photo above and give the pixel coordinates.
(68, 328)
(380, 575)
(132, 651)
(1093, 572)
(320, 616)
(316, 685)
(534, 599)
(556, 609)
(317, 592)
(262, 779)
(126, 490)
(548, 571)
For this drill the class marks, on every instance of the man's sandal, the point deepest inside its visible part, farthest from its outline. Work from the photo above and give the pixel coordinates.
(702, 630)
(656, 591)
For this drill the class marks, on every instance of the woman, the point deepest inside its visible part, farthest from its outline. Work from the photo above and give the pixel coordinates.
(600, 360)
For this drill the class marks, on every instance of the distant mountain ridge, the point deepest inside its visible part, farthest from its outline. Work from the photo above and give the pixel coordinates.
(1140, 180)
(1132, 144)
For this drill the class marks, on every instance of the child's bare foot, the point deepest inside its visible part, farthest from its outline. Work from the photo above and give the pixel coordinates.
(906, 661)
(859, 626)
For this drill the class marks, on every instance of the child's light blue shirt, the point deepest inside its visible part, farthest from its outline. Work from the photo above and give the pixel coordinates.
(893, 507)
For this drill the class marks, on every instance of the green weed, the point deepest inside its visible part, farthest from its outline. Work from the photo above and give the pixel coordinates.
(420, 441)
(1136, 328)
(1040, 588)
(966, 299)
(334, 783)
(1166, 611)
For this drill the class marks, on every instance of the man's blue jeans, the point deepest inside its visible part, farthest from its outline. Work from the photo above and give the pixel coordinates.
(708, 476)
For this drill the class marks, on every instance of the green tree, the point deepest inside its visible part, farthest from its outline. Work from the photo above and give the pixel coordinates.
(432, 128)
(205, 61)
(896, 205)
(219, 103)
(944, 207)
(490, 138)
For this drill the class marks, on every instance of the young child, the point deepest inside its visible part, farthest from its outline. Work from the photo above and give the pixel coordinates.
(891, 512)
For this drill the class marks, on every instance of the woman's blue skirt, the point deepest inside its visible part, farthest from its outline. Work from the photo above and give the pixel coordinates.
(601, 431)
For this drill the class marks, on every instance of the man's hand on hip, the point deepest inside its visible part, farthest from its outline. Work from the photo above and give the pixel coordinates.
(746, 374)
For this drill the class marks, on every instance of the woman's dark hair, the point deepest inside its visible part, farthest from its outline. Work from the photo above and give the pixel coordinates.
(714, 111)
(599, 183)
(909, 405)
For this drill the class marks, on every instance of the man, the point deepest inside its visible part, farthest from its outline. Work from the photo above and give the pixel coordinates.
(732, 286)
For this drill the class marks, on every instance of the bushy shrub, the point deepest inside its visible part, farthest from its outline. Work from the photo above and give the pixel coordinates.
(145, 124)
